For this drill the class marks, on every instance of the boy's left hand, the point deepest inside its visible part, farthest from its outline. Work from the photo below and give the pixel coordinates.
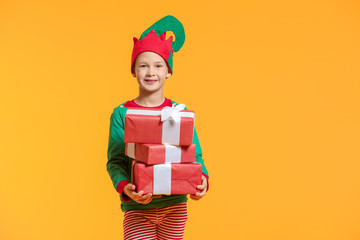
(203, 187)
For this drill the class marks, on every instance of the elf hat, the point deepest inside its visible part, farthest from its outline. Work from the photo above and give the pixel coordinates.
(153, 40)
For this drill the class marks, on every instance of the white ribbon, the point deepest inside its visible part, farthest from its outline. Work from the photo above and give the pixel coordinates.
(172, 153)
(130, 150)
(170, 116)
(162, 179)
(172, 113)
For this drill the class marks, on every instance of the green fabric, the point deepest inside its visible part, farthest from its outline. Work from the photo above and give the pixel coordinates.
(170, 62)
(169, 23)
(119, 165)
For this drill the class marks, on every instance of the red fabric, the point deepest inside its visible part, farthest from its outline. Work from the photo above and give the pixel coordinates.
(120, 190)
(156, 153)
(185, 177)
(148, 129)
(167, 103)
(152, 43)
(163, 223)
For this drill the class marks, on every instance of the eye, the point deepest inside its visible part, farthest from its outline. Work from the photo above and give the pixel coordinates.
(159, 66)
(142, 66)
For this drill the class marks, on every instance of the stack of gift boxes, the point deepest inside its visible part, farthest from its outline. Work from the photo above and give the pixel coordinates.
(160, 142)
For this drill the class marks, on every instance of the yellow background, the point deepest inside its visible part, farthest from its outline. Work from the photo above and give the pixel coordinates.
(274, 84)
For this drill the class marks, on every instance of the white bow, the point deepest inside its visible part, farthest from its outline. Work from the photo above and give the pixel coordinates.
(172, 113)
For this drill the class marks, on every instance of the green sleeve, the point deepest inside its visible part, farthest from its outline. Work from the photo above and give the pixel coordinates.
(199, 158)
(118, 164)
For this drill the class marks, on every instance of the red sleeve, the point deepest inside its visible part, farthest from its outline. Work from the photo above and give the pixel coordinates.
(120, 190)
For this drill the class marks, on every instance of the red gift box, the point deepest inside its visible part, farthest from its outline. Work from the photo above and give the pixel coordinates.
(145, 126)
(160, 153)
(168, 178)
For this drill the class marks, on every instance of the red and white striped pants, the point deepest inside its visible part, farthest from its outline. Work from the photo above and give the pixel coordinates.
(157, 223)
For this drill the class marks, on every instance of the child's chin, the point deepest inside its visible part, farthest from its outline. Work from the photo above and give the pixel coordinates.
(151, 89)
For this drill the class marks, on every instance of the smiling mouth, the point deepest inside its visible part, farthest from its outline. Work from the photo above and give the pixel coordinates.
(150, 80)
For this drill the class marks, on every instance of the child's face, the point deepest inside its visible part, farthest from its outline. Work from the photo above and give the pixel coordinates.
(150, 71)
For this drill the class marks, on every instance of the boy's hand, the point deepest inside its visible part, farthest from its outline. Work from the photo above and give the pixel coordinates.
(129, 190)
(202, 187)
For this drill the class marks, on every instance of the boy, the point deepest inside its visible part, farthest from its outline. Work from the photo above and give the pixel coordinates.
(147, 216)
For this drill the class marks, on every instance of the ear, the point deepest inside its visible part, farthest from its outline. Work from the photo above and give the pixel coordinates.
(168, 75)
(134, 74)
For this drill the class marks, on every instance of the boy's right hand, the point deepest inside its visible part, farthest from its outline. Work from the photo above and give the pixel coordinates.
(129, 190)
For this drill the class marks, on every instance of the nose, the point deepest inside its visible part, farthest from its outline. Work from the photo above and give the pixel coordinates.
(150, 71)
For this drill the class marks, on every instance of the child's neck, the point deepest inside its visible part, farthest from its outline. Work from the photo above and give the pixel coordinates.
(150, 100)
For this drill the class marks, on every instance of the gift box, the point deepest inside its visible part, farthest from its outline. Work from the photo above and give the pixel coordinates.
(161, 153)
(168, 178)
(168, 125)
